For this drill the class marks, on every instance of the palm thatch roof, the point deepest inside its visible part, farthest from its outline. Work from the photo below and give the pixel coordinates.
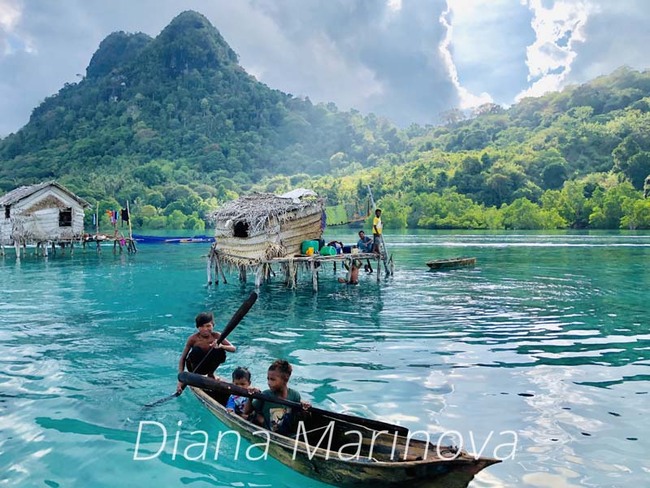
(259, 209)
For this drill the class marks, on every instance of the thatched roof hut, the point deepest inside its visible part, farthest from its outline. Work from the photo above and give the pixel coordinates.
(262, 226)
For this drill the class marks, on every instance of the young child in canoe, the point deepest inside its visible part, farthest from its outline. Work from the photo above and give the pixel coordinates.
(202, 354)
(240, 377)
(274, 416)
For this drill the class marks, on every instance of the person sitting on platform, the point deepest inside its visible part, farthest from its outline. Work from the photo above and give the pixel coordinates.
(202, 353)
(365, 244)
(240, 377)
(274, 416)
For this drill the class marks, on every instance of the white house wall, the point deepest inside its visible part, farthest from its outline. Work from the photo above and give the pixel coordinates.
(42, 224)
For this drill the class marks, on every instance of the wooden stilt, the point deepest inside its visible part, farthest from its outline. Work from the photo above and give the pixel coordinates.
(259, 271)
(314, 275)
(209, 268)
(17, 248)
(349, 274)
(71, 248)
(242, 274)
(223, 276)
(45, 246)
(378, 267)
(294, 274)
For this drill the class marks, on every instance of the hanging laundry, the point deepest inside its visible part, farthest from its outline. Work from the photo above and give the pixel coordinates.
(125, 215)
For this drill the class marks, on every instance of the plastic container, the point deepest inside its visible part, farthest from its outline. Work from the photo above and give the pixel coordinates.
(328, 251)
(306, 245)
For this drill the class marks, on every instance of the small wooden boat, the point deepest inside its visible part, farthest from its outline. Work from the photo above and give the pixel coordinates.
(346, 450)
(142, 239)
(451, 263)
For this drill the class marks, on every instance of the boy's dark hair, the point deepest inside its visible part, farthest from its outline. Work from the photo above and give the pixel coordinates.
(204, 318)
(377, 210)
(241, 373)
(281, 366)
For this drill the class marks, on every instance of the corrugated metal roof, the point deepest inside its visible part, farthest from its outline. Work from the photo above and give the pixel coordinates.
(24, 191)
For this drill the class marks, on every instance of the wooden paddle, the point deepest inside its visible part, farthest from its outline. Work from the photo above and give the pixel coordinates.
(230, 326)
(206, 383)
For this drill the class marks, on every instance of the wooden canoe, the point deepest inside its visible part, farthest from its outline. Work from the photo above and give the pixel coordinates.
(451, 263)
(384, 459)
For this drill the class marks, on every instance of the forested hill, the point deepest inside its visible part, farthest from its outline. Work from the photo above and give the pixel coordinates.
(175, 126)
(180, 109)
(576, 158)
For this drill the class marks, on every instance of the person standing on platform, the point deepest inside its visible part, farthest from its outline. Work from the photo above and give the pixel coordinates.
(377, 228)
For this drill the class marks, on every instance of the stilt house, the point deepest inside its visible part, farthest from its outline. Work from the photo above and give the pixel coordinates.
(37, 214)
(263, 226)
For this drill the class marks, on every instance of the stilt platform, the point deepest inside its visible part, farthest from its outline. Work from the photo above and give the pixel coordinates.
(289, 266)
(52, 246)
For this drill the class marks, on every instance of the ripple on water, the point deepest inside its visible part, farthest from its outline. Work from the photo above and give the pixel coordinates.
(545, 337)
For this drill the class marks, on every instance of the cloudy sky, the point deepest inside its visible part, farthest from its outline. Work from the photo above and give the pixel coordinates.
(408, 60)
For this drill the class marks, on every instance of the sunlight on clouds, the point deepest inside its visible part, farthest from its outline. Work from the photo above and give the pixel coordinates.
(9, 14)
(467, 99)
(557, 30)
(394, 5)
(10, 40)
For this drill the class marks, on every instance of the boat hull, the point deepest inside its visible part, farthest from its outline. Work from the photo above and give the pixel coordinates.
(451, 263)
(333, 467)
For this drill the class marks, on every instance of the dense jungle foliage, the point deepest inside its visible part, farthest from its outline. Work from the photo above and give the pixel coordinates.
(175, 126)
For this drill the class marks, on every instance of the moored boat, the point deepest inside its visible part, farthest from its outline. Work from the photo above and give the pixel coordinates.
(143, 239)
(346, 450)
(451, 263)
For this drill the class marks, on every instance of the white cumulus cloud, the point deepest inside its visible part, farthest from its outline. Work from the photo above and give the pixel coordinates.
(558, 27)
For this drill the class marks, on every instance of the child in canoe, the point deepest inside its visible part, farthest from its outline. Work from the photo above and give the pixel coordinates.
(240, 377)
(202, 354)
(274, 416)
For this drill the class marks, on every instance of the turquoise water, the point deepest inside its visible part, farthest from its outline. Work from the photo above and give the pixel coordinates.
(547, 337)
